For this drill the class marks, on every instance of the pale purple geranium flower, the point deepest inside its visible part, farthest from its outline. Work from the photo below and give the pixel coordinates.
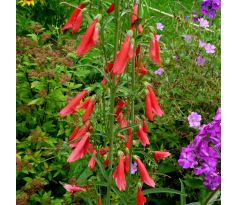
(159, 71)
(194, 120)
(202, 44)
(158, 37)
(133, 168)
(203, 23)
(160, 26)
(210, 48)
(200, 60)
(188, 38)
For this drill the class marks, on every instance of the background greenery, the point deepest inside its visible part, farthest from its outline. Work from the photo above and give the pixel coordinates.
(48, 71)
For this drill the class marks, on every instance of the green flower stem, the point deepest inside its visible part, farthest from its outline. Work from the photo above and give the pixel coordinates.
(112, 104)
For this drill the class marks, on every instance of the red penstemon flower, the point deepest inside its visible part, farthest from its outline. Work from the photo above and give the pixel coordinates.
(143, 70)
(90, 37)
(84, 104)
(70, 108)
(127, 161)
(75, 131)
(111, 8)
(134, 15)
(154, 102)
(140, 28)
(119, 174)
(92, 162)
(104, 150)
(144, 175)
(154, 51)
(122, 121)
(160, 155)
(145, 127)
(80, 150)
(106, 162)
(75, 20)
(123, 55)
(72, 188)
(140, 200)
(148, 107)
(89, 110)
(142, 136)
(129, 139)
(120, 104)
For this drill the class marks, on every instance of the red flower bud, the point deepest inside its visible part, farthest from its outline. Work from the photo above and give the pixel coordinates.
(84, 104)
(142, 136)
(134, 15)
(148, 107)
(92, 162)
(104, 81)
(127, 163)
(75, 131)
(129, 139)
(140, 28)
(111, 8)
(140, 200)
(143, 70)
(160, 155)
(89, 110)
(154, 51)
(104, 150)
(106, 162)
(145, 127)
(156, 108)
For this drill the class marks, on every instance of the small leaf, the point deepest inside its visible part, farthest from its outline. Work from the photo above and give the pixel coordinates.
(162, 190)
(182, 197)
(36, 101)
(194, 203)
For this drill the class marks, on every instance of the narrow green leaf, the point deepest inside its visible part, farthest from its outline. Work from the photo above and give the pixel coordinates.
(194, 203)
(182, 197)
(101, 168)
(162, 190)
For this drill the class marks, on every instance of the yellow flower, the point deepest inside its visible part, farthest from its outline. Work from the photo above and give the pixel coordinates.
(28, 2)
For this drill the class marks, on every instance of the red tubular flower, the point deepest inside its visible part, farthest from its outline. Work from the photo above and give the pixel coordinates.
(142, 136)
(145, 127)
(99, 200)
(72, 188)
(140, 28)
(143, 70)
(127, 163)
(89, 110)
(138, 49)
(154, 51)
(104, 150)
(120, 104)
(111, 8)
(144, 175)
(122, 121)
(156, 108)
(75, 20)
(84, 104)
(131, 50)
(121, 136)
(89, 39)
(119, 174)
(108, 67)
(80, 150)
(140, 200)
(148, 107)
(104, 81)
(80, 133)
(160, 155)
(75, 131)
(70, 108)
(123, 56)
(92, 162)
(129, 139)
(134, 15)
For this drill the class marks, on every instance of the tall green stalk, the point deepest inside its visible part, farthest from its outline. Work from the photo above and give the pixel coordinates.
(112, 104)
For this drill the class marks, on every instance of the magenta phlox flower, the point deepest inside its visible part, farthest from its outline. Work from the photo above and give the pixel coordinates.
(212, 181)
(194, 120)
(210, 7)
(187, 158)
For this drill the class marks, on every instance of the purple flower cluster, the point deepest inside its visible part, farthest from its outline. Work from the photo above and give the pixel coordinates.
(210, 7)
(203, 154)
(209, 48)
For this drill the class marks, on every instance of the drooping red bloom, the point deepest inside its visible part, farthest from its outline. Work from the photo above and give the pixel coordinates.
(75, 20)
(134, 15)
(89, 110)
(90, 38)
(72, 188)
(140, 28)
(154, 102)
(99, 200)
(154, 51)
(108, 67)
(79, 134)
(92, 162)
(145, 127)
(104, 150)
(119, 174)
(80, 150)
(120, 104)
(75, 131)
(129, 139)
(70, 108)
(122, 121)
(160, 155)
(121, 136)
(144, 175)
(148, 107)
(143, 70)
(84, 104)
(127, 163)
(111, 8)
(123, 55)
(140, 200)
(142, 136)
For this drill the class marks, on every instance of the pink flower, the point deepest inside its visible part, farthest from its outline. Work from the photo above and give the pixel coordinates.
(119, 174)
(72, 188)
(140, 200)
(92, 162)
(144, 175)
